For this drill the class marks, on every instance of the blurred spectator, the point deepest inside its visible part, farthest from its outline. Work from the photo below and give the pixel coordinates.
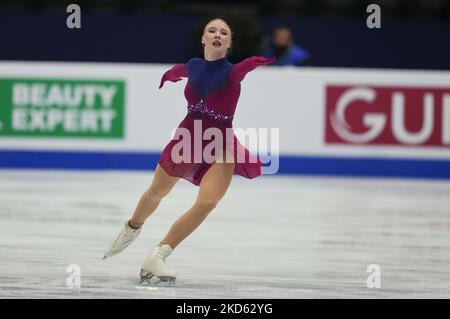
(283, 46)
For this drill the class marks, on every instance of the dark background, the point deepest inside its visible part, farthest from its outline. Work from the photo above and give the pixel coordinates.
(414, 34)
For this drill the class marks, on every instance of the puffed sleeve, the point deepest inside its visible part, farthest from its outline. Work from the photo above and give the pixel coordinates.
(175, 74)
(240, 69)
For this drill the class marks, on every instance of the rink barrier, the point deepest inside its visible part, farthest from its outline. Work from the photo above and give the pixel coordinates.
(292, 165)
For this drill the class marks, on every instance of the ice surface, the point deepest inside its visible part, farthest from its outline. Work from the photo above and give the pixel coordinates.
(272, 237)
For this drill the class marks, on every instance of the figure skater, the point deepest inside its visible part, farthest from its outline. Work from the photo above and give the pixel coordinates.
(212, 92)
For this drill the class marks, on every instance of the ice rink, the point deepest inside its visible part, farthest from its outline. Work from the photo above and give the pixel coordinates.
(272, 237)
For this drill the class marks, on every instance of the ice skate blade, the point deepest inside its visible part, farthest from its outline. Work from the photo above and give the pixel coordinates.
(155, 283)
(150, 278)
(146, 274)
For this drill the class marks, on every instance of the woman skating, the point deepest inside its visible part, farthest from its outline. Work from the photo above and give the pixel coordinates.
(212, 93)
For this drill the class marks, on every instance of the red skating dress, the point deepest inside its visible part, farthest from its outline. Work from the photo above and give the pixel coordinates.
(212, 92)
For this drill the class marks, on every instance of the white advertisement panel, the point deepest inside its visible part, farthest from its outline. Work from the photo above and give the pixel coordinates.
(322, 112)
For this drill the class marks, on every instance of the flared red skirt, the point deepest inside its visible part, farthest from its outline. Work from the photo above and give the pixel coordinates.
(199, 142)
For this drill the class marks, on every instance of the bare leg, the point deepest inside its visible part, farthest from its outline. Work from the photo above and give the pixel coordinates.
(161, 185)
(213, 186)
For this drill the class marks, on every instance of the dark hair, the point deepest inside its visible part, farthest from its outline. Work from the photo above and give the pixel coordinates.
(209, 19)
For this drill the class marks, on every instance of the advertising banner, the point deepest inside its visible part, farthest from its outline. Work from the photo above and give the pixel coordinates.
(352, 122)
(41, 107)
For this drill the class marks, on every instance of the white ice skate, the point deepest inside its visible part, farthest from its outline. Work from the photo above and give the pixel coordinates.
(122, 240)
(154, 265)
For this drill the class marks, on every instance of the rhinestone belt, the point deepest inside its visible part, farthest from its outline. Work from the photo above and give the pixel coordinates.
(202, 108)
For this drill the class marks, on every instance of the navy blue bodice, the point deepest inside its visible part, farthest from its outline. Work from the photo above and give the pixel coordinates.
(208, 76)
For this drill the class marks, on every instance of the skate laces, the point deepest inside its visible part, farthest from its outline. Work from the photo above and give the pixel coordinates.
(160, 256)
(117, 239)
(162, 252)
(125, 235)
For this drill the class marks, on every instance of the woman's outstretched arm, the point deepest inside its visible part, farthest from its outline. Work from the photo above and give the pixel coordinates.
(175, 74)
(242, 68)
